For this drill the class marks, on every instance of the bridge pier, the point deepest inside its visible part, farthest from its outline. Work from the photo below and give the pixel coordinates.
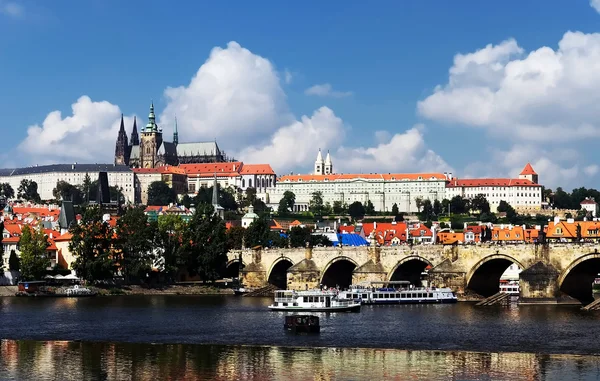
(254, 275)
(539, 284)
(304, 274)
(372, 270)
(446, 274)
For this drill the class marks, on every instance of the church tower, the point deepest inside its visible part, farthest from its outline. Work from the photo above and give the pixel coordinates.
(121, 147)
(135, 139)
(175, 134)
(150, 142)
(319, 164)
(328, 164)
(529, 174)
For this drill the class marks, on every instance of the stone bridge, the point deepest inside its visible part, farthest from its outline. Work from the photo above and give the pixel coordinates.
(550, 273)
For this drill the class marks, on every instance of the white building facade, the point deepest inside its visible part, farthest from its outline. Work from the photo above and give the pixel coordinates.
(523, 193)
(236, 175)
(47, 176)
(383, 190)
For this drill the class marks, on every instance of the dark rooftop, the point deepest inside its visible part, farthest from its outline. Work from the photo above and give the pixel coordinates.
(64, 168)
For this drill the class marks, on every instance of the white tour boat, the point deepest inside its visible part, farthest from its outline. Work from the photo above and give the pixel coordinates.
(370, 294)
(313, 300)
(511, 288)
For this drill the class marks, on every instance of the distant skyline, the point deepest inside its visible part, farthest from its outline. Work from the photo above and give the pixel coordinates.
(474, 88)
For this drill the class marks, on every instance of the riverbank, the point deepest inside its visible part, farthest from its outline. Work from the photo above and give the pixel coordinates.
(166, 290)
(6, 291)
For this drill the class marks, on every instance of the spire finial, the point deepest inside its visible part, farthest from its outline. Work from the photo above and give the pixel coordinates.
(175, 134)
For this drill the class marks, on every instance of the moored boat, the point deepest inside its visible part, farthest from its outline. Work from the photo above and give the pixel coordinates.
(313, 300)
(402, 293)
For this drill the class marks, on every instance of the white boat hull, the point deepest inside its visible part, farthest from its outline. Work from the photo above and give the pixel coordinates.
(350, 308)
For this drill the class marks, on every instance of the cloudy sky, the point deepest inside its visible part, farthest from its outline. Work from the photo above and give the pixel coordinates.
(474, 87)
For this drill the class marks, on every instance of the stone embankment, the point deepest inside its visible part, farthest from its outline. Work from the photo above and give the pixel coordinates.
(8, 290)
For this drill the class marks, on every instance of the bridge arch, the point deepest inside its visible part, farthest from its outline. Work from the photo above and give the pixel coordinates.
(232, 268)
(409, 269)
(277, 274)
(484, 277)
(577, 278)
(338, 272)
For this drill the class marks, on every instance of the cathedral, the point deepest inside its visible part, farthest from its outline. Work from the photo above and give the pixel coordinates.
(149, 150)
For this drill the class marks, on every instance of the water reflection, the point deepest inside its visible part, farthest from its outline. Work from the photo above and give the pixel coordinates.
(117, 361)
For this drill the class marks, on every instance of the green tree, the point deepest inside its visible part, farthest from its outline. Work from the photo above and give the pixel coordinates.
(277, 240)
(91, 246)
(86, 188)
(66, 191)
(320, 240)
(169, 238)
(205, 244)
(14, 263)
(561, 199)
(226, 197)
(257, 233)
(160, 194)
(437, 207)
(446, 206)
(28, 190)
(250, 197)
(286, 203)
(299, 236)
(339, 208)
(134, 245)
(235, 237)
(458, 205)
(327, 209)
(395, 210)
(427, 210)
(419, 203)
(7, 191)
(356, 210)
(315, 204)
(480, 203)
(34, 258)
(369, 208)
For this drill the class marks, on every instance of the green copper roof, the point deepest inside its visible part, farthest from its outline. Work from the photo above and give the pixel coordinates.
(151, 126)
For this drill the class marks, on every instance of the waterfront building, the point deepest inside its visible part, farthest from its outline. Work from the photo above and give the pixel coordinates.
(174, 177)
(383, 190)
(590, 206)
(47, 176)
(522, 193)
(150, 150)
(235, 175)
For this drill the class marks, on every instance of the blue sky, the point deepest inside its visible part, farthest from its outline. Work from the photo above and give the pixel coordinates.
(380, 59)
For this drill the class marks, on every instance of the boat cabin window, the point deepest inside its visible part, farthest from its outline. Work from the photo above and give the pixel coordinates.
(364, 296)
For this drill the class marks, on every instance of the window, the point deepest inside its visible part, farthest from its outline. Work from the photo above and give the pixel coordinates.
(558, 230)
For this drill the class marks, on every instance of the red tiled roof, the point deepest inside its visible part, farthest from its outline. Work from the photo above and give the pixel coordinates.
(528, 170)
(65, 237)
(588, 202)
(365, 176)
(257, 169)
(14, 239)
(209, 169)
(490, 183)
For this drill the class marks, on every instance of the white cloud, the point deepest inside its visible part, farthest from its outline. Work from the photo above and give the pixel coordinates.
(10, 8)
(403, 152)
(87, 135)
(288, 77)
(295, 146)
(546, 95)
(591, 170)
(235, 96)
(326, 90)
(555, 167)
(595, 4)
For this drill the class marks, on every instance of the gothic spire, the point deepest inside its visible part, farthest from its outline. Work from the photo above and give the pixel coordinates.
(215, 194)
(175, 134)
(122, 128)
(135, 139)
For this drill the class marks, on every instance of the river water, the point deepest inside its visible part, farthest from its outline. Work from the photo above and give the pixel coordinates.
(233, 338)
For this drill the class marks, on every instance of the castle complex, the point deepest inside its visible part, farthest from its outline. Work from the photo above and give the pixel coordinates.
(150, 150)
